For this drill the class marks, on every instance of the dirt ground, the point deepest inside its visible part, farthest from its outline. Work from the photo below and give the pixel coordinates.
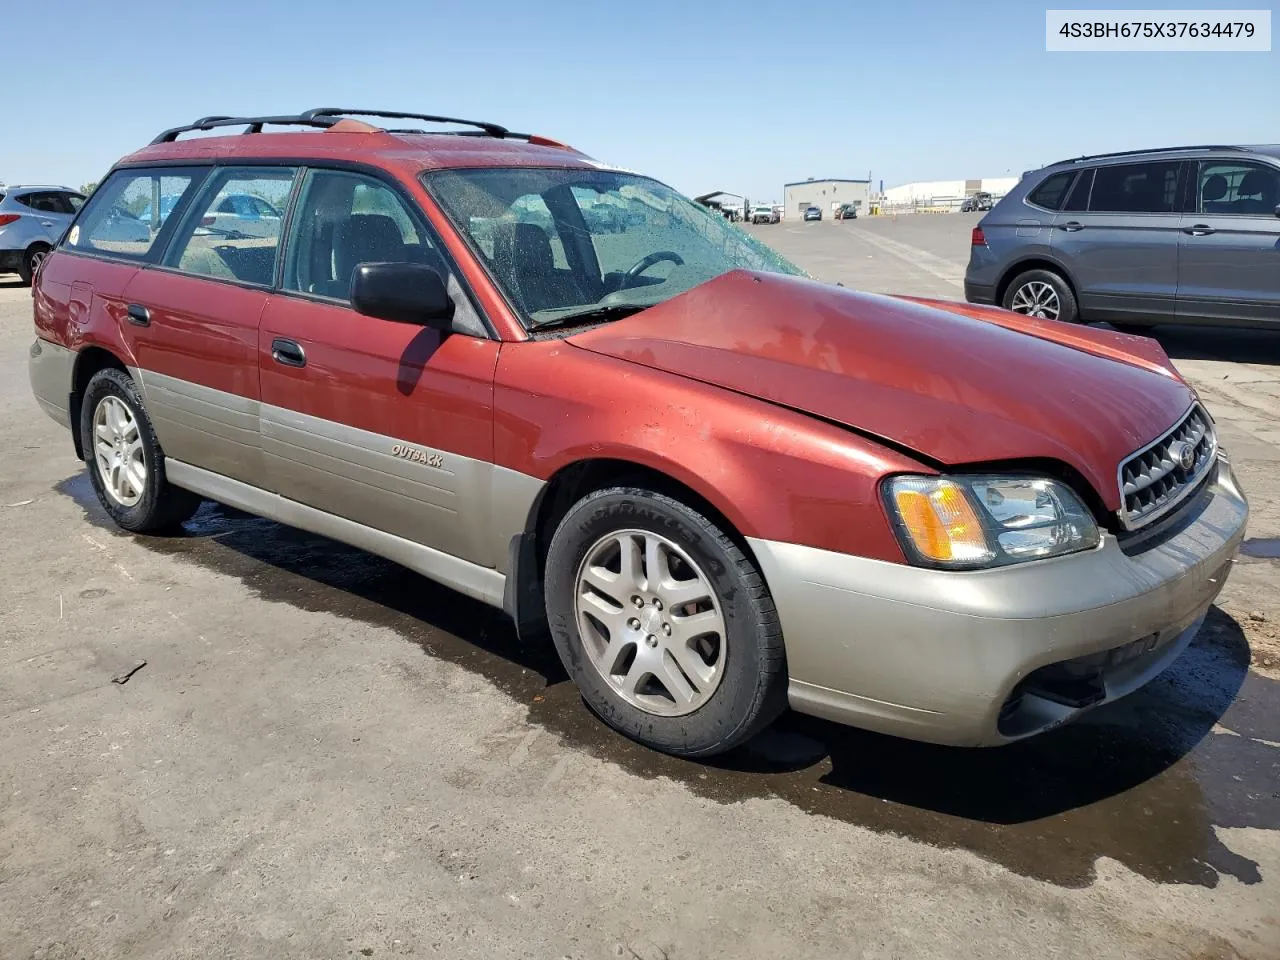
(326, 756)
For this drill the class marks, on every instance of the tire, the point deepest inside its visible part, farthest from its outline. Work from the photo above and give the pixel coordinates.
(743, 683)
(1033, 287)
(159, 505)
(31, 262)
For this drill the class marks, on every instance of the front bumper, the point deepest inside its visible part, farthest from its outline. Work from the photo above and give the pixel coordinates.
(986, 657)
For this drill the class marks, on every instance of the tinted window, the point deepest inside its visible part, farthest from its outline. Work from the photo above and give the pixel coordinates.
(224, 236)
(112, 221)
(1050, 193)
(1078, 198)
(345, 219)
(1235, 188)
(1136, 188)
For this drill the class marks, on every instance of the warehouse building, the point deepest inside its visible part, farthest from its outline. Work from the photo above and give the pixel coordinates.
(945, 193)
(826, 194)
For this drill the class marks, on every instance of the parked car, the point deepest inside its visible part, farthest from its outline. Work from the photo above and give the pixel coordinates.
(847, 211)
(764, 214)
(721, 487)
(1186, 235)
(32, 218)
(812, 213)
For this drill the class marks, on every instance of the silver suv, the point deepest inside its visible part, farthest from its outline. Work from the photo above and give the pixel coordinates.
(32, 219)
(1181, 235)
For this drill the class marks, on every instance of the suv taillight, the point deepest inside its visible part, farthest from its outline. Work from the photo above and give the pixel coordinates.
(8, 218)
(978, 238)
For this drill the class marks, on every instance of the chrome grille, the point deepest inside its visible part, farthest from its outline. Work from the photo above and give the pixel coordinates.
(1157, 478)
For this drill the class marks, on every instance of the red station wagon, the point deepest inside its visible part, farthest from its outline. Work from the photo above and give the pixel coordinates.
(572, 393)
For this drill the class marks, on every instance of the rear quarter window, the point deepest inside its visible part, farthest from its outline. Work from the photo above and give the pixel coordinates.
(123, 219)
(1050, 193)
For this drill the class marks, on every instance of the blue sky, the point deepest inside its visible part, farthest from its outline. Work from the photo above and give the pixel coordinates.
(741, 96)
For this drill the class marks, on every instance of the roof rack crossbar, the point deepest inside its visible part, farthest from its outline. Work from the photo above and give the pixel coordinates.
(254, 124)
(492, 129)
(1137, 153)
(325, 117)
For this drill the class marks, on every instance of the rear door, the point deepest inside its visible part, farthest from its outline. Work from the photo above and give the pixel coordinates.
(383, 423)
(194, 320)
(1229, 263)
(50, 212)
(1122, 250)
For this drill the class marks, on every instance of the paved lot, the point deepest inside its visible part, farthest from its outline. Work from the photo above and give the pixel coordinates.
(326, 756)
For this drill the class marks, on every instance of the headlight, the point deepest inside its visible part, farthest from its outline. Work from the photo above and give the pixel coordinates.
(967, 522)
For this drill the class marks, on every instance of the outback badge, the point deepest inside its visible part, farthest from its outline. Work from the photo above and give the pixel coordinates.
(413, 454)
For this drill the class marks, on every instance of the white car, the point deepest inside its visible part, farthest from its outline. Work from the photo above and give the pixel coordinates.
(764, 214)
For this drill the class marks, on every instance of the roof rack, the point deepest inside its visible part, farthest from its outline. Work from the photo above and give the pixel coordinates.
(325, 117)
(1138, 153)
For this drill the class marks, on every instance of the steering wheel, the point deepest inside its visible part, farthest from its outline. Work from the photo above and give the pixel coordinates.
(644, 263)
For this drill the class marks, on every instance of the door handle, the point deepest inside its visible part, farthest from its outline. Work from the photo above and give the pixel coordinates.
(47, 223)
(139, 315)
(1071, 226)
(288, 352)
(1198, 230)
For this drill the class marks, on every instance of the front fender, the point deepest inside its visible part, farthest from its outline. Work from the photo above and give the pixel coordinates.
(774, 473)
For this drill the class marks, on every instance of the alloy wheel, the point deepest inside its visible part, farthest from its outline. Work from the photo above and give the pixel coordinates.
(650, 622)
(1036, 299)
(118, 452)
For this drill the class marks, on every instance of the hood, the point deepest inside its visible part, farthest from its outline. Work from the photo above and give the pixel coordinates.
(957, 385)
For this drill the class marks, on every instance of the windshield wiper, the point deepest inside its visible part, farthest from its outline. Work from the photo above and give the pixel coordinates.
(575, 315)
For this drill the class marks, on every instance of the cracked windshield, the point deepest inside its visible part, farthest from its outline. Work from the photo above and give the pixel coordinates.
(587, 245)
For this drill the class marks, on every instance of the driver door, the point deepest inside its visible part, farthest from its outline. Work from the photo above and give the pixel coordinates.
(383, 423)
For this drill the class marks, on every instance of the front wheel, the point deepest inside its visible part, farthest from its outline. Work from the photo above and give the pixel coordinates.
(1043, 294)
(126, 464)
(664, 624)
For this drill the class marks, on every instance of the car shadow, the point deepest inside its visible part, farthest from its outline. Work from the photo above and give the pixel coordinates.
(10, 281)
(1233, 344)
(1146, 781)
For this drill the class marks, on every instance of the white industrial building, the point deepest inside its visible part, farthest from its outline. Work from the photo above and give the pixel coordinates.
(945, 193)
(827, 194)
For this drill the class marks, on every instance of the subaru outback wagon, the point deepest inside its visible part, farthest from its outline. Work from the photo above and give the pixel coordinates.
(719, 486)
(1184, 235)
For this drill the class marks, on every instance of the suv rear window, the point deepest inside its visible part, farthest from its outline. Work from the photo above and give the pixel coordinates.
(1137, 188)
(126, 214)
(1050, 193)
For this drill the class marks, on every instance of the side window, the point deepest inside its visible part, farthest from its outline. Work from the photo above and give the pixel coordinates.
(1078, 199)
(127, 212)
(1235, 188)
(345, 219)
(218, 238)
(74, 202)
(45, 202)
(1136, 188)
(1051, 192)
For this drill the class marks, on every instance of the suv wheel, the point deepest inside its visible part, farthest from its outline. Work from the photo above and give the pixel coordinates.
(31, 261)
(126, 464)
(1041, 293)
(664, 624)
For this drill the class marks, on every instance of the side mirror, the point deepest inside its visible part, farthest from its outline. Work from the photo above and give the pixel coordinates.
(403, 293)
(1278, 209)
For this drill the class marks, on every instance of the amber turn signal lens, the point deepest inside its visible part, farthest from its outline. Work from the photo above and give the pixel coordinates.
(941, 521)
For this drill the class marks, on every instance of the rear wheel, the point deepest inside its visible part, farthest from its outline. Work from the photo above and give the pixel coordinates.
(31, 261)
(664, 624)
(1043, 294)
(126, 464)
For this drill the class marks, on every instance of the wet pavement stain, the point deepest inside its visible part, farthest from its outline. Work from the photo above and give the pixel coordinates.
(1261, 548)
(1145, 781)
